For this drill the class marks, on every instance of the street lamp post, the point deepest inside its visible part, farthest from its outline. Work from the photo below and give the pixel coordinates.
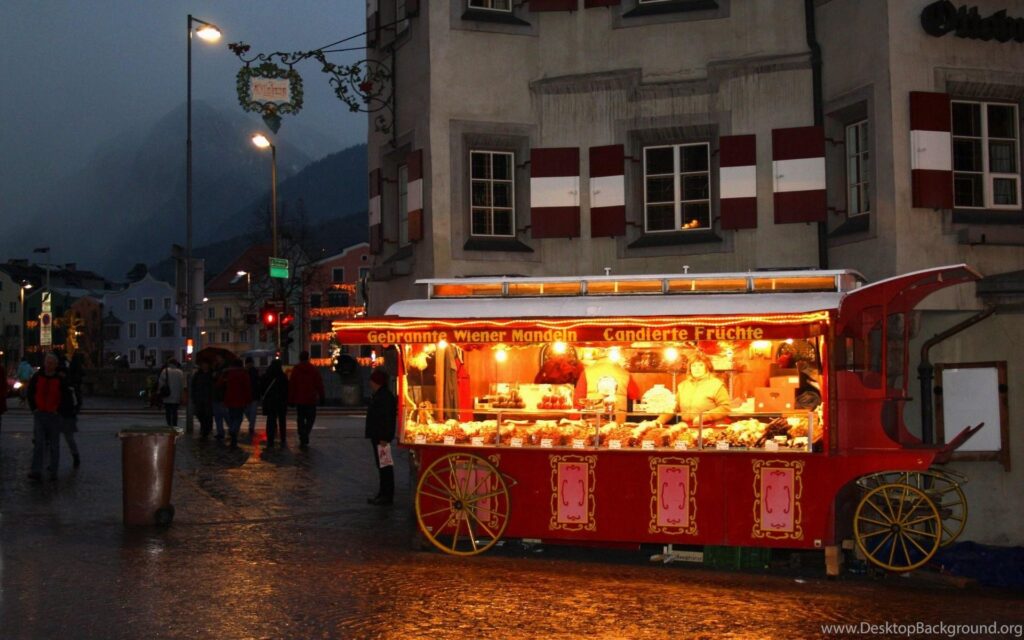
(262, 142)
(249, 300)
(21, 325)
(209, 32)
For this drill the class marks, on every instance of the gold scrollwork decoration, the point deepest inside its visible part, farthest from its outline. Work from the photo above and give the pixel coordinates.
(796, 532)
(690, 527)
(589, 524)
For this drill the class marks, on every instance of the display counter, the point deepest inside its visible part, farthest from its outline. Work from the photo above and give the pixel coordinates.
(569, 429)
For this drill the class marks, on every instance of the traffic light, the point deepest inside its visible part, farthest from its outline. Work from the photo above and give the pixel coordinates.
(287, 326)
(269, 317)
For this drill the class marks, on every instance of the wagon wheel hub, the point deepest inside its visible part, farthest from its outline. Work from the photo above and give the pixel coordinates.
(458, 505)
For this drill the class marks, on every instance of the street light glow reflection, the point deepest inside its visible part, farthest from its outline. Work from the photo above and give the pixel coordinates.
(260, 141)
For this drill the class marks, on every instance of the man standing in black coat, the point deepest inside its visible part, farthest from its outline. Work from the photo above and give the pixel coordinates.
(380, 430)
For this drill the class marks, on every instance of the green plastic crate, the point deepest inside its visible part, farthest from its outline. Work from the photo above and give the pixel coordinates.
(737, 558)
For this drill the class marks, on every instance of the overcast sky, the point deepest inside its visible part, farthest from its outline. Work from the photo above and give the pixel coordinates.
(76, 72)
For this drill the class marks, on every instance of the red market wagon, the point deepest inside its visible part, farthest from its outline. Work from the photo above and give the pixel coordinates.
(760, 409)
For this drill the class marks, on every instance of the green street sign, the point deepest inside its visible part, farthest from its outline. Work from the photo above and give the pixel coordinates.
(279, 268)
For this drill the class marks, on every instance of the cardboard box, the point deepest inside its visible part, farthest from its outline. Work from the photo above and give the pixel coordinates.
(783, 382)
(774, 399)
(776, 371)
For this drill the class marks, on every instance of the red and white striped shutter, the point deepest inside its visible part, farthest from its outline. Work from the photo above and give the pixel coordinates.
(737, 180)
(555, 192)
(931, 155)
(590, 4)
(414, 197)
(798, 164)
(372, 23)
(376, 228)
(553, 5)
(607, 191)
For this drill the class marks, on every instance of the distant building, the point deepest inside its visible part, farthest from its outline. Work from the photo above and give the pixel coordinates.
(331, 292)
(141, 325)
(229, 318)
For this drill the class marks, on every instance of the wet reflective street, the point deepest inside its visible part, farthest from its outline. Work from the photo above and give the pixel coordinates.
(283, 545)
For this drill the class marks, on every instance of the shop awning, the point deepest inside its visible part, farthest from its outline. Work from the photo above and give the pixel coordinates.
(755, 304)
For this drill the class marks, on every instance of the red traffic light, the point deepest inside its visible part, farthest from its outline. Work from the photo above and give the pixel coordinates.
(269, 318)
(287, 319)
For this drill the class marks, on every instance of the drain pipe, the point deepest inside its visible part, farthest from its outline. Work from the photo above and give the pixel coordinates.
(925, 369)
(819, 111)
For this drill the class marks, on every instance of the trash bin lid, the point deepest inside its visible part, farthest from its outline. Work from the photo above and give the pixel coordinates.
(143, 430)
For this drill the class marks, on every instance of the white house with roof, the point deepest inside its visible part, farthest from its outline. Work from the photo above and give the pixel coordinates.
(141, 324)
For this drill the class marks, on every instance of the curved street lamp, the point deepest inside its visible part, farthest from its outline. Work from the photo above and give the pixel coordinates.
(210, 33)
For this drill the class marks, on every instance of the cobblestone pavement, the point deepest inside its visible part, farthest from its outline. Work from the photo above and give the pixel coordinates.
(283, 545)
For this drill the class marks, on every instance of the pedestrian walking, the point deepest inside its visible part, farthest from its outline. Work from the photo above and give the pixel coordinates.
(380, 430)
(74, 374)
(274, 394)
(3, 401)
(220, 412)
(47, 391)
(254, 390)
(171, 385)
(201, 390)
(237, 395)
(305, 391)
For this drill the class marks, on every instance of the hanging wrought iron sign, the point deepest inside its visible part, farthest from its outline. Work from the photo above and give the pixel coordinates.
(274, 88)
(267, 88)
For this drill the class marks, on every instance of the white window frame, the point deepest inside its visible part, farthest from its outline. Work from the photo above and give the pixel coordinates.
(147, 304)
(227, 313)
(152, 328)
(488, 5)
(861, 158)
(335, 279)
(131, 356)
(512, 193)
(225, 336)
(988, 177)
(211, 313)
(403, 205)
(133, 304)
(132, 331)
(167, 304)
(677, 186)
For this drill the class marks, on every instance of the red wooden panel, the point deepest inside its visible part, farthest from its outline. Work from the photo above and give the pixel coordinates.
(376, 238)
(930, 111)
(607, 222)
(555, 222)
(800, 206)
(737, 151)
(416, 225)
(554, 162)
(798, 142)
(932, 189)
(375, 183)
(414, 164)
(607, 161)
(738, 213)
(553, 5)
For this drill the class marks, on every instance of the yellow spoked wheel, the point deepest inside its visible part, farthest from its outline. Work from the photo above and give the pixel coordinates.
(942, 487)
(462, 504)
(897, 527)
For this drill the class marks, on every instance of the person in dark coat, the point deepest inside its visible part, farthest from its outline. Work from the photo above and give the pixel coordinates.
(305, 391)
(381, 415)
(274, 391)
(3, 400)
(74, 374)
(254, 383)
(201, 390)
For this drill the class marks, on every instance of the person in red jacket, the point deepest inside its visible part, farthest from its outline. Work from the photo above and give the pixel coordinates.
(237, 395)
(49, 397)
(305, 391)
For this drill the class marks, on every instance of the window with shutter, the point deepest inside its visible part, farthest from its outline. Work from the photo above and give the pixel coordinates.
(492, 193)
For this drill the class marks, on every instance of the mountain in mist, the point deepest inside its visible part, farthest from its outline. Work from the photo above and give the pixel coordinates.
(128, 204)
(322, 207)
